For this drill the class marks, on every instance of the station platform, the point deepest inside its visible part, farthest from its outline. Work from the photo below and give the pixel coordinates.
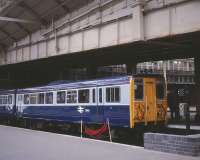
(23, 144)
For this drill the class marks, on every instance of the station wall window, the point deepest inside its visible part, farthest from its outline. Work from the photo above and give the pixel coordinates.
(100, 95)
(61, 97)
(49, 98)
(26, 99)
(93, 95)
(160, 91)
(33, 99)
(72, 96)
(138, 89)
(10, 99)
(83, 96)
(113, 94)
(41, 98)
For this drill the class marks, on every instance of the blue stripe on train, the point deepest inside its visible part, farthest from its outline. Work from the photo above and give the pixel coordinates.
(5, 111)
(118, 115)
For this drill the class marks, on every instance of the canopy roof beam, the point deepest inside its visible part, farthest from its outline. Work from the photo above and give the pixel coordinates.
(10, 19)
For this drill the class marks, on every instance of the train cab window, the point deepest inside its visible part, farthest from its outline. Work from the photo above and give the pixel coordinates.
(61, 97)
(33, 99)
(138, 89)
(41, 98)
(83, 96)
(113, 94)
(160, 91)
(49, 98)
(26, 99)
(72, 96)
(93, 95)
(10, 99)
(100, 95)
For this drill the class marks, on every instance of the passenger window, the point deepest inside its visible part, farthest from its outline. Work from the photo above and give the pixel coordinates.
(72, 96)
(100, 95)
(93, 95)
(1, 100)
(5, 99)
(160, 91)
(61, 97)
(113, 94)
(41, 98)
(33, 99)
(10, 99)
(138, 88)
(26, 99)
(49, 98)
(83, 96)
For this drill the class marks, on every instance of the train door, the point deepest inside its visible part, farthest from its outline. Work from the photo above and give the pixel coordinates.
(100, 104)
(150, 99)
(19, 104)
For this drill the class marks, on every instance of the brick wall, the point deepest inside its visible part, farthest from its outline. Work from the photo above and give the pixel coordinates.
(184, 145)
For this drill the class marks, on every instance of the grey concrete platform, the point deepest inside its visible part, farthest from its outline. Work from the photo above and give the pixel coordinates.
(23, 144)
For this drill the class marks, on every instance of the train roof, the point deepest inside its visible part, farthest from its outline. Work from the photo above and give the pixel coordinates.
(64, 85)
(5, 92)
(78, 84)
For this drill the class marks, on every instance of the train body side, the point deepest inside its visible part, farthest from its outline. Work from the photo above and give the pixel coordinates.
(97, 109)
(124, 101)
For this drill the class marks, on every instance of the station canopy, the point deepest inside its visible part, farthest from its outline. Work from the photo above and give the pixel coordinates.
(19, 18)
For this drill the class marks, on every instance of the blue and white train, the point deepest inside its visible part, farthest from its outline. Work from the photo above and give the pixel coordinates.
(123, 100)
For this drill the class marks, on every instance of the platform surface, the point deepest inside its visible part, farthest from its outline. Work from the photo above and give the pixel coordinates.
(23, 144)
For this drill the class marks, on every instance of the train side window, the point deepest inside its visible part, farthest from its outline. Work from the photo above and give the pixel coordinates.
(138, 89)
(26, 99)
(10, 99)
(160, 91)
(1, 100)
(113, 94)
(100, 95)
(5, 99)
(83, 96)
(93, 95)
(61, 97)
(72, 96)
(41, 98)
(33, 99)
(49, 98)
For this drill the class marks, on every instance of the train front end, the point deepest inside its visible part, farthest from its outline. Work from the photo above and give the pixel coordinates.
(148, 101)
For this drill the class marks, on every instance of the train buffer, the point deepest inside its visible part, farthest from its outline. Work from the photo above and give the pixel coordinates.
(23, 144)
